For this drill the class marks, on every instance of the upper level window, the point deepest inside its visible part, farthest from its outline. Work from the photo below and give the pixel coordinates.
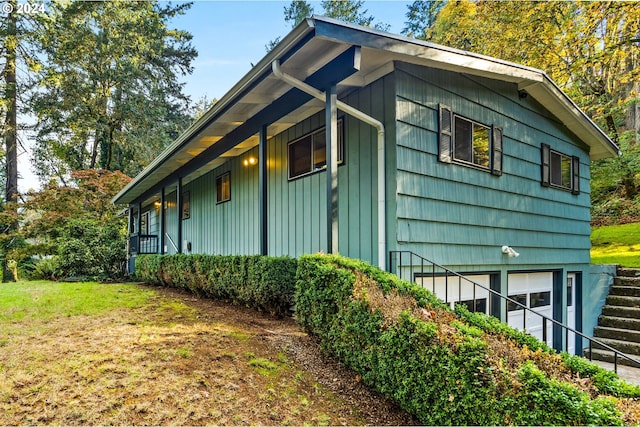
(309, 153)
(560, 170)
(223, 187)
(464, 141)
(471, 142)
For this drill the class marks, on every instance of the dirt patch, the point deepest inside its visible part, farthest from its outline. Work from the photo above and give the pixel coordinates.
(179, 360)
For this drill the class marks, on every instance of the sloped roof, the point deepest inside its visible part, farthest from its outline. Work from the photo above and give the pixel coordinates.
(305, 50)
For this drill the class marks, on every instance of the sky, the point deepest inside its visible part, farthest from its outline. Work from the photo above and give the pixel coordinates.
(229, 36)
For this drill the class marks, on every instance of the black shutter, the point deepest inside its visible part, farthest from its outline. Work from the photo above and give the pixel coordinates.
(546, 165)
(575, 175)
(496, 150)
(445, 140)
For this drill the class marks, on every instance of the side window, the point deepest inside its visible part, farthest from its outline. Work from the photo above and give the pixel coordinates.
(560, 170)
(308, 154)
(223, 187)
(465, 141)
(144, 223)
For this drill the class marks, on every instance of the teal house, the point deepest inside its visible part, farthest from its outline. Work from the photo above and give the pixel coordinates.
(348, 140)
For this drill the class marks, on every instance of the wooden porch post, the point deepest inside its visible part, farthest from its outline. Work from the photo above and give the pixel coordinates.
(163, 224)
(331, 121)
(179, 209)
(262, 184)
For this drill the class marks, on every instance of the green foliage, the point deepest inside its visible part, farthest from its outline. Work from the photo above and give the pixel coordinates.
(264, 283)
(604, 380)
(494, 325)
(439, 372)
(78, 224)
(109, 93)
(551, 402)
(91, 249)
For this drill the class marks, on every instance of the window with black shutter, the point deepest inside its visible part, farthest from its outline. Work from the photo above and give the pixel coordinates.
(559, 170)
(468, 142)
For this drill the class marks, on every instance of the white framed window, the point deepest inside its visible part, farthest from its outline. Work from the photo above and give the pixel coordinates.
(308, 154)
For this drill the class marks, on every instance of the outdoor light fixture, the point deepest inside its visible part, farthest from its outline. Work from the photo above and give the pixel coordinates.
(508, 250)
(250, 161)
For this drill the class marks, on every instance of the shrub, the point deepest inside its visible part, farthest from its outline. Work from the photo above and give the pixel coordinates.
(260, 282)
(433, 362)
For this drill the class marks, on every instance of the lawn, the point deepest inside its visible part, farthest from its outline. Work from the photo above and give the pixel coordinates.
(616, 244)
(97, 354)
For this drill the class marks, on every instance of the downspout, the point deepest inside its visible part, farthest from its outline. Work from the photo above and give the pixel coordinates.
(382, 235)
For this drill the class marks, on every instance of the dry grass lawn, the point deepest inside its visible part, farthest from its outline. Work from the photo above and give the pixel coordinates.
(165, 358)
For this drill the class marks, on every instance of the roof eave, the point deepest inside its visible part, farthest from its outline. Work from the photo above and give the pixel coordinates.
(289, 42)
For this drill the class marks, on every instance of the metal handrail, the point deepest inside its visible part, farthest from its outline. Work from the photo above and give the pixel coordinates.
(172, 242)
(545, 319)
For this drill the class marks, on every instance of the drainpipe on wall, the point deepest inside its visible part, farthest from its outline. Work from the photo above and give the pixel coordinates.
(299, 84)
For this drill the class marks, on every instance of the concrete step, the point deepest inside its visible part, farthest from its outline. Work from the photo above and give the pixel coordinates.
(626, 281)
(628, 272)
(630, 312)
(607, 356)
(627, 291)
(619, 322)
(627, 335)
(623, 301)
(630, 348)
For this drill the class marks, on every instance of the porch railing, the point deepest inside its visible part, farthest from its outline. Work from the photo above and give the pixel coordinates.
(409, 263)
(143, 244)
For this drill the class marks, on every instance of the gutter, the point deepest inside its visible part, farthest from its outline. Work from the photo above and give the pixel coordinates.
(382, 235)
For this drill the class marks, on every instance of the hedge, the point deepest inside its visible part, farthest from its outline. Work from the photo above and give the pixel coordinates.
(386, 330)
(261, 282)
(435, 362)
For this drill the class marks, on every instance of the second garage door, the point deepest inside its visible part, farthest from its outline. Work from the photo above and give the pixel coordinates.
(533, 290)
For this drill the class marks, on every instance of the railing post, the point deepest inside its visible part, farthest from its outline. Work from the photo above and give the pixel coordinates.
(544, 330)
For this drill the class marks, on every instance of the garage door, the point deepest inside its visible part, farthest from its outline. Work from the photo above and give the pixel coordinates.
(453, 291)
(533, 290)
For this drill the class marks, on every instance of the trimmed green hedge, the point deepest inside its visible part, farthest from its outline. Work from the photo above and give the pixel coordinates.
(260, 282)
(385, 329)
(440, 373)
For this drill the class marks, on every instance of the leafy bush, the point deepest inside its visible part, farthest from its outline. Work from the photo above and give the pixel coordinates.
(88, 248)
(433, 362)
(264, 283)
(45, 269)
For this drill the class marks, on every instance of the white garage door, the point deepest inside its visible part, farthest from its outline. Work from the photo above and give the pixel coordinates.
(533, 290)
(452, 290)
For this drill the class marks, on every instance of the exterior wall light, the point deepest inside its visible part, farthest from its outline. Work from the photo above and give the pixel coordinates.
(508, 250)
(250, 161)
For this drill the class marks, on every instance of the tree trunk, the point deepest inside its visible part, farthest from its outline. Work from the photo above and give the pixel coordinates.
(11, 122)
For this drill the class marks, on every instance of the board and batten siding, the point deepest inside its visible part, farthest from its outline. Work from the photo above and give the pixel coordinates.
(227, 228)
(460, 216)
(296, 209)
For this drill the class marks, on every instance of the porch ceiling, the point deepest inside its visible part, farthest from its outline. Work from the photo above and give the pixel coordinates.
(306, 50)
